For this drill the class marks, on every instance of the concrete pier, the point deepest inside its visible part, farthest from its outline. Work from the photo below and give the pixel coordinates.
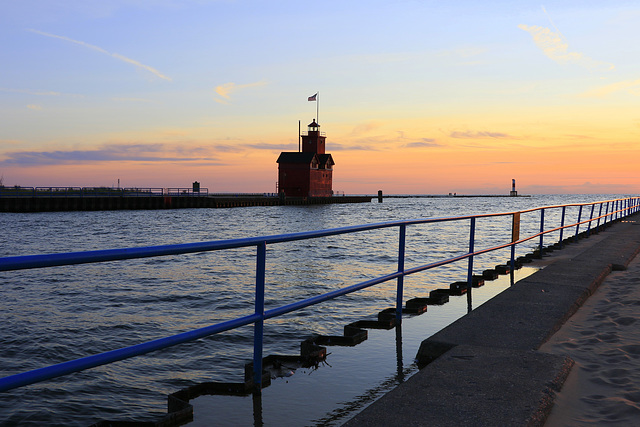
(485, 369)
(103, 203)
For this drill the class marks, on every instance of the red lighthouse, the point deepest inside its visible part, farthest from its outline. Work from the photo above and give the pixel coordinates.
(307, 173)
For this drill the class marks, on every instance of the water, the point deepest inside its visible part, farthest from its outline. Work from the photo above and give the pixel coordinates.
(58, 314)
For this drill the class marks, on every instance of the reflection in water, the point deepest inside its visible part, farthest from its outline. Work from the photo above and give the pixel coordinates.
(257, 409)
(399, 353)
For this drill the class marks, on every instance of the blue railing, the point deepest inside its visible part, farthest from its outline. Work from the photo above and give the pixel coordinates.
(607, 211)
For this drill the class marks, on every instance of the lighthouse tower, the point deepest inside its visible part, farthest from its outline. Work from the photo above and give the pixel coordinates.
(313, 141)
(309, 172)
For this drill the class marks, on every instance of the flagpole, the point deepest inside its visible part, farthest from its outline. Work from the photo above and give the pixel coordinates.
(318, 107)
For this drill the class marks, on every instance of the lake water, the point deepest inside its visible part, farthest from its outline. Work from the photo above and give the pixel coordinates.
(57, 314)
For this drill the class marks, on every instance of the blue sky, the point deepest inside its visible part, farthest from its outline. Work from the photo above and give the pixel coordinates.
(415, 96)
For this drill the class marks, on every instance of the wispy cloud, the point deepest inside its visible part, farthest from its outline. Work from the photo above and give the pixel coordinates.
(118, 99)
(39, 93)
(34, 107)
(352, 147)
(104, 51)
(108, 153)
(226, 89)
(423, 143)
(478, 135)
(630, 86)
(364, 128)
(420, 143)
(30, 92)
(226, 148)
(555, 46)
(265, 146)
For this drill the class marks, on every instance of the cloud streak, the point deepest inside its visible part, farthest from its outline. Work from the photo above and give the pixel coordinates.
(420, 143)
(423, 143)
(478, 135)
(555, 46)
(30, 92)
(107, 153)
(226, 89)
(105, 52)
(630, 86)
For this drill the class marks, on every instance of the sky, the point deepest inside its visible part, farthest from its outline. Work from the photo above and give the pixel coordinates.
(415, 97)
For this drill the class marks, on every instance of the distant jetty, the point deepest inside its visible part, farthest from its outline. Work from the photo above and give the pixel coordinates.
(449, 196)
(52, 199)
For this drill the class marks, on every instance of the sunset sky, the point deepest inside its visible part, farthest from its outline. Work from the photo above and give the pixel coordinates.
(417, 97)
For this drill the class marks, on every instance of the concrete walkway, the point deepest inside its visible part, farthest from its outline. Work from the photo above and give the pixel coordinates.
(485, 369)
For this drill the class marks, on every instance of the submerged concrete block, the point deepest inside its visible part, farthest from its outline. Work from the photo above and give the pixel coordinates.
(458, 288)
(388, 323)
(490, 275)
(439, 296)
(477, 281)
(502, 269)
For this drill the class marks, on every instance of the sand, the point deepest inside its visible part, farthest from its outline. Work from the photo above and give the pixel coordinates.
(603, 338)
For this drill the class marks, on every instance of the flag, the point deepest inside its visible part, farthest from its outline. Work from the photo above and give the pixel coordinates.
(313, 98)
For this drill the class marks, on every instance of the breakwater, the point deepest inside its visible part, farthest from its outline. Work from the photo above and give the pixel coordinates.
(125, 202)
(492, 353)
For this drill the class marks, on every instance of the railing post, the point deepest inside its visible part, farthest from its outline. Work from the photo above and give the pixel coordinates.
(578, 226)
(621, 208)
(606, 214)
(629, 208)
(625, 203)
(258, 327)
(618, 209)
(515, 236)
(590, 218)
(599, 215)
(564, 208)
(472, 234)
(401, 245)
(541, 230)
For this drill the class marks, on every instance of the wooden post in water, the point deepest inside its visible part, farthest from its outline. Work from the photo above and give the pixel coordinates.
(379, 196)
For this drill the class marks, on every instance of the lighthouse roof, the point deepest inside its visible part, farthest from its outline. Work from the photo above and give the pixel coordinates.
(325, 161)
(295, 157)
(313, 124)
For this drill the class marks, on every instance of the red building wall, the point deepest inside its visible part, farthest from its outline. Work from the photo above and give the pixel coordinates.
(294, 179)
(320, 183)
(297, 180)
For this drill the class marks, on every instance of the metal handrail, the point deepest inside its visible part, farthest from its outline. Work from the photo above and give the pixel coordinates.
(49, 192)
(614, 209)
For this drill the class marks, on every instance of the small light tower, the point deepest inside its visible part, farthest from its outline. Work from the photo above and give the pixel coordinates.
(313, 141)
(513, 192)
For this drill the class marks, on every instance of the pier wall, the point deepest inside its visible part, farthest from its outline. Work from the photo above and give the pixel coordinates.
(485, 369)
(103, 203)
